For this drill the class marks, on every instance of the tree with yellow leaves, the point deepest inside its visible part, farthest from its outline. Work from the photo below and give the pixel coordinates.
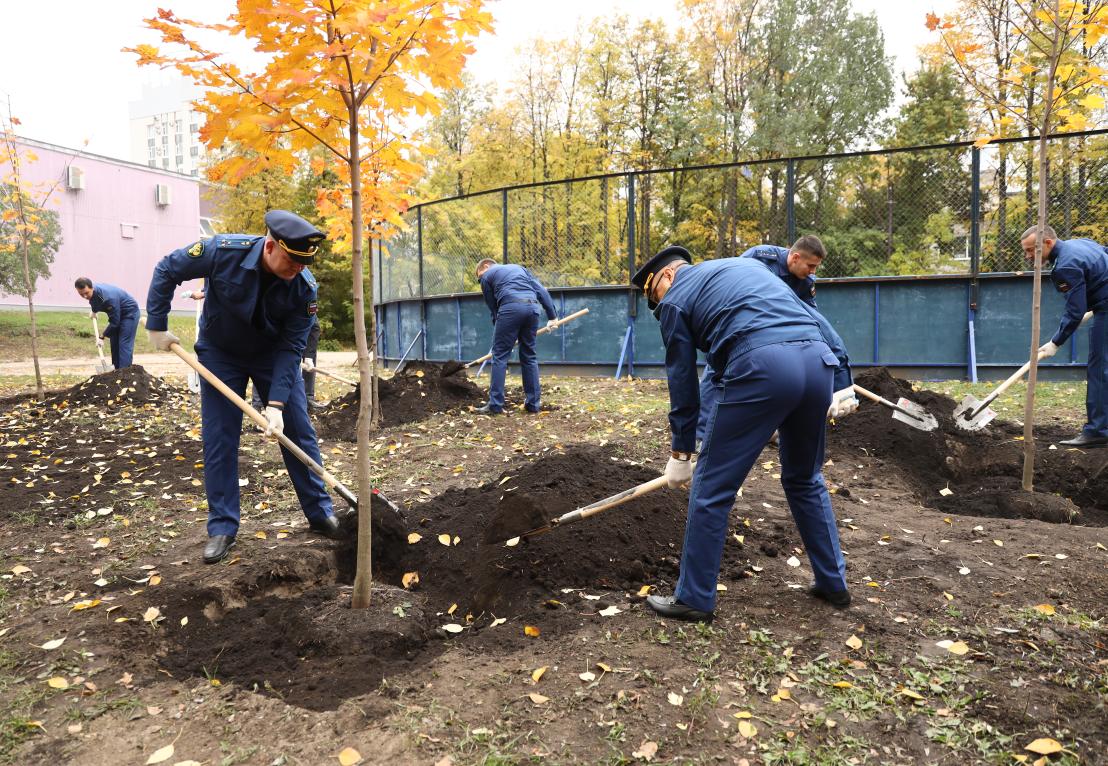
(1055, 47)
(349, 76)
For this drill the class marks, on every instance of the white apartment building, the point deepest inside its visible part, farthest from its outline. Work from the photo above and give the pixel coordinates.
(165, 131)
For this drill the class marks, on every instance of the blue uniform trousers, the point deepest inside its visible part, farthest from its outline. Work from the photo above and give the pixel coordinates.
(222, 424)
(1096, 392)
(123, 342)
(708, 395)
(515, 320)
(784, 387)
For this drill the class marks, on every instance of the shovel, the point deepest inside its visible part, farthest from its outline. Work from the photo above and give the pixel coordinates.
(449, 368)
(905, 411)
(331, 375)
(600, 505)
(973, 414)
(103, 365)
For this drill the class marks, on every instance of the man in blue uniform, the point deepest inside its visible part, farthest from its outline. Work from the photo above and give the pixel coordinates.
(260, 302)
(780, 363)
(1080, 273)
(513, 296)
(123, 317)
(796, 266)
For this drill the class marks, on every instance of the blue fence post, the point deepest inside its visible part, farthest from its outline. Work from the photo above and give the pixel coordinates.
(790, 202)
(975, 260)
(504, 225)
(458, 312)
(876, 322)
(422, 302)
(632, 302)
(562, 330)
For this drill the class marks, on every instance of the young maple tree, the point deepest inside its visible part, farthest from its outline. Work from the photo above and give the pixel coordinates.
(350, 76)
(1055, 47)
(28, 230)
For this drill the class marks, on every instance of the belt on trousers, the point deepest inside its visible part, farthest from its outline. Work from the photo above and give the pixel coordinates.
(523, 300)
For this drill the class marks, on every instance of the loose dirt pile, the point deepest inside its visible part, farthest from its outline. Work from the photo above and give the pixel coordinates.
(982, 469)
(420, 390)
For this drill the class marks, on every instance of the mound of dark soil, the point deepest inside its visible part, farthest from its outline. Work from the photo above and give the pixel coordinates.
(131, 384)
(982, 469)
(420, 390)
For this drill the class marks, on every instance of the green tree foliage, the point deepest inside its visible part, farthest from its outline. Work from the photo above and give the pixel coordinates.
(43, 242)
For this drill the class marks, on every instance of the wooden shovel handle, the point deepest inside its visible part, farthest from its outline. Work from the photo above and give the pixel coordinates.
(542, 331)
(99, 343)
(611, 502)
(262, 423)
(332, 375)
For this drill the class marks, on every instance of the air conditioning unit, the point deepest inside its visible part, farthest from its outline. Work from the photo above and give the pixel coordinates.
(161, 194)
(74, 178)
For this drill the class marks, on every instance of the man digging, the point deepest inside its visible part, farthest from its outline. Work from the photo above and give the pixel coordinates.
(1081, 274)
(260, 304)
(780, 363)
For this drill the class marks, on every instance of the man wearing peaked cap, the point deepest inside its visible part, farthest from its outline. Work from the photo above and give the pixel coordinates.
(260, 303)
(779, 362)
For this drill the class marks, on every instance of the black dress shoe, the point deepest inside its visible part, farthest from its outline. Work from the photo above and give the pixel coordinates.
(533, 411)
(840, 599)
(314, 405)
(669, 606)
(486, 410)
(330, 528)
(217, 548)
(1086, 441)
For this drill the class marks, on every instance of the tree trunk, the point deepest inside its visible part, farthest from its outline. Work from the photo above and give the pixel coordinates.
(39, 391)
(363, 579)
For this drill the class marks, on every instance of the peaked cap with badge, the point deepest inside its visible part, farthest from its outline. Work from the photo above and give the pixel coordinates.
(299, 238)
(644, 277)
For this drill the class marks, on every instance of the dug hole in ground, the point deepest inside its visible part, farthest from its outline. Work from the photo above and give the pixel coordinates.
(977, 625)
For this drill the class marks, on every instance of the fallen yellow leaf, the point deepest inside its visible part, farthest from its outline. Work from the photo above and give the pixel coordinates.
(162, 754)
(57, 682)
(151, 614)
(409, 579)
(1047, 609)
(444, 539)
(349, 756)
(531, 630)
(538, 699)
(747, 729)
(414, 537)
(1044, 746)
(537, 673)
(854, 642)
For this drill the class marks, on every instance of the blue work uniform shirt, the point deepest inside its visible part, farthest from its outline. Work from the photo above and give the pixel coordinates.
(726, 307)
(1081, 273)
(239, 317)
(114, 301)
(507, 282)
(776, 259)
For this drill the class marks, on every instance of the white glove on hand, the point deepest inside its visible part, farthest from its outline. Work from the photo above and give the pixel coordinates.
(307, 365)
(92, 315)
(276, 420)
(678, 472)
(552, 324)
(843, 403)
(1047, 350)
(162, 339)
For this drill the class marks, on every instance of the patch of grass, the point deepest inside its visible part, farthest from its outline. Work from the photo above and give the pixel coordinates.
(65, 334)
(1059, 400)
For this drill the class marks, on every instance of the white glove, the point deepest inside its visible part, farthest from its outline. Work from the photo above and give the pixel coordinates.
(1047, 350)
(678, 472)
(552, 324)
(843, 403)
(276, 420)
(92, 315)
(162, 339)
(307, 365)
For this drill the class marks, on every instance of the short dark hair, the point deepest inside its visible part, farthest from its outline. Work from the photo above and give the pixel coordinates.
(82, 282)
(811, 245)
(1048, 233)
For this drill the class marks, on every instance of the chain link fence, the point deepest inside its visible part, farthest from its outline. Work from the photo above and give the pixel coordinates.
(952, 209)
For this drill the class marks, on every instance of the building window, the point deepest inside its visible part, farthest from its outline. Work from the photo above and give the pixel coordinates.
(165, 140)
(194, 172)
(194, 151)
(151, 152)
(180, 161)
(194, 128)
(150, 142)
(153, 163)
(165, 162)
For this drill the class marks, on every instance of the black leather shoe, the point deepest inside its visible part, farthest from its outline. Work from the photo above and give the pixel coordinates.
(486, 410)
(534, 411)
(840, 599)
(217, 548)
(669, 606)
(314, 405)
(330, 528)
(1086, 441)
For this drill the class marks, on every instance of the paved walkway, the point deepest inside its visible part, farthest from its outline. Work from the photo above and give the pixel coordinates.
(340, 362)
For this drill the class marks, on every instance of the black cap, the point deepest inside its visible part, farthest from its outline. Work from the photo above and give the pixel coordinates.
(299, 238)
(644, 277)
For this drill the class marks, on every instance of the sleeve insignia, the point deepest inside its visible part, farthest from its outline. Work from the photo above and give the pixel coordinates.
(1063, 287)
(313, 307)
(813, 293)
(196, 249)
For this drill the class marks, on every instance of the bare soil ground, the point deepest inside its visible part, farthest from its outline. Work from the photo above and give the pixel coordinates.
(978, 624)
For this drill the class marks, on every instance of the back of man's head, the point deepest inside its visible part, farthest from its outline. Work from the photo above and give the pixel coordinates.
(484, 265)
(810, 244)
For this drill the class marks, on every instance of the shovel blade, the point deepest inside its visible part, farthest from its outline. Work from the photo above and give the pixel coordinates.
(968, 406)
(916, 417)
(103, 367)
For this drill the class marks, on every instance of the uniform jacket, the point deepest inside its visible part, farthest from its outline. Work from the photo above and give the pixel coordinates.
(1081, 273)
(777, 260)
(507, 282)
(116, 302)
(232, 320)
(723, 308)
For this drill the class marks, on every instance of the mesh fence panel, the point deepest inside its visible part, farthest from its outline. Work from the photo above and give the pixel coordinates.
(888, 214)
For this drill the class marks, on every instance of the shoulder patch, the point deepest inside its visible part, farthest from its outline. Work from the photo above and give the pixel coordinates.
(196, 249)
(1063, 287)
(313, 308)
(813, 293)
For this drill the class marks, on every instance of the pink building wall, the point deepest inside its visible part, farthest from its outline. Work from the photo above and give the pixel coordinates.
(118, 198)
